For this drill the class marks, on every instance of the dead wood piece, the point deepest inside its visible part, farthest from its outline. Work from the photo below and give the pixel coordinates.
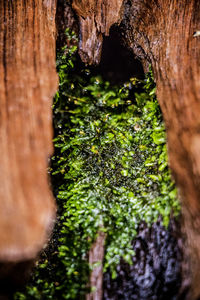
(95, 17)
(96, 256)
(27, 84)
(161, 32)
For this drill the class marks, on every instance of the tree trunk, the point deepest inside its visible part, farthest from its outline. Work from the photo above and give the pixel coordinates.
(27, 84)
(161, 32)
(95, 19)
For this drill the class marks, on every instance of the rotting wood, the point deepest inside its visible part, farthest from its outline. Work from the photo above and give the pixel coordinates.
(95, 18)
(96, 256)
(27, 84)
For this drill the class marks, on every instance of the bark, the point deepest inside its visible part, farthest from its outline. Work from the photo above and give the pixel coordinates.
(27, 84)
(96, 256)
(95, 18)
(161, 32)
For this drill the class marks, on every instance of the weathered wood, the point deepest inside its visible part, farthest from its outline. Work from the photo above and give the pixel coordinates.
(95, 17)
(160, 32)
(96, 256)
(27, 84)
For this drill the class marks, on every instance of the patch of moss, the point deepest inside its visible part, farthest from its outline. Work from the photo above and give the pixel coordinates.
(109, 171)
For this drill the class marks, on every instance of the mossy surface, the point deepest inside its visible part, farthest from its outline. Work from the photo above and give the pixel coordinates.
(109, 171)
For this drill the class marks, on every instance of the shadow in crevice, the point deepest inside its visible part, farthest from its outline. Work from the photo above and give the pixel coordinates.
(118, 63)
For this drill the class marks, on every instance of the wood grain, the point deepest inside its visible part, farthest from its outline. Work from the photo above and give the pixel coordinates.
(28, 82)
(96, 257)
(95, 18)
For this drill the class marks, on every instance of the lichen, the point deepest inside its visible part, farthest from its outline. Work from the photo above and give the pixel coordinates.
(109, 171)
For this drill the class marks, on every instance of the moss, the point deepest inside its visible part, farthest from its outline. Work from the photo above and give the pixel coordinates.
(109, 171)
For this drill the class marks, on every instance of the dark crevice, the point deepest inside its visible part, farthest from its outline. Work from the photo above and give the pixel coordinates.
(118, 63)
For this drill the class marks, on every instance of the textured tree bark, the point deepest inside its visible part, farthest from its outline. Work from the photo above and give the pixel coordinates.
(95, 18)
(161, 32)
(27, 84)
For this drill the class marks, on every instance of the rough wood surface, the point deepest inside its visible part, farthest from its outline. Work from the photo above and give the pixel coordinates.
(28, 82)
(161, 32)
(96, 256)
(95, 17)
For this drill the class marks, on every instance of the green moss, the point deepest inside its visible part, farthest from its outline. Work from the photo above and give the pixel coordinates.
(109, 170)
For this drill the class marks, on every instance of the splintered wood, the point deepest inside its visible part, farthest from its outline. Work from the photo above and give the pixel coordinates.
(27, 84)
(96, 256)
(96, 17)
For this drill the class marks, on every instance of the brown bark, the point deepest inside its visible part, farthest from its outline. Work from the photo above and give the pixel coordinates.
(95, 18)
(27, 84)
(160, 32)
(96, 256)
